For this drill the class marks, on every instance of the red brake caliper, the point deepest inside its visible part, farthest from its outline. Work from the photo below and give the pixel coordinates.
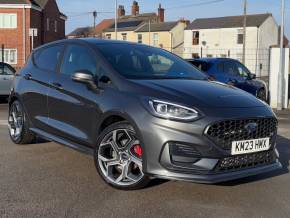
(137, 150)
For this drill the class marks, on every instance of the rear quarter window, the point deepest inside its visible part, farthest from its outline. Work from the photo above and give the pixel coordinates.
(48, 58)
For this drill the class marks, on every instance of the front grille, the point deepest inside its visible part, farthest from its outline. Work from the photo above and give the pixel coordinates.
(223, 133)
(246, 161)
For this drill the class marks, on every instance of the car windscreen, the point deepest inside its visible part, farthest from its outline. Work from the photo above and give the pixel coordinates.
(202, 65)
(144, 62)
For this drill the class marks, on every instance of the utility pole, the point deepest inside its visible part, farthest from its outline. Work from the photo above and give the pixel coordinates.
(281, 72)
(116, 19)
(149, 28)
(95, 17)
(245, 31)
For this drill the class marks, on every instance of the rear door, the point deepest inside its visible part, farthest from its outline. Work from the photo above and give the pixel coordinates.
(36, 80)
(6, 78)
(72, 105)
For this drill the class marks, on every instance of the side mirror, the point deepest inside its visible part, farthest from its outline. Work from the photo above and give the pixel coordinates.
(85, 77)
(252, 76)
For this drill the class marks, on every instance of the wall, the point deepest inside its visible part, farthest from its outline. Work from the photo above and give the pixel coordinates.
(13, 38)
(268, 36)
(178, 38)
(274, 70)
(51, 11)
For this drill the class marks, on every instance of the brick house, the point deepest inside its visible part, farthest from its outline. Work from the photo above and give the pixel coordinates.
(17, 17)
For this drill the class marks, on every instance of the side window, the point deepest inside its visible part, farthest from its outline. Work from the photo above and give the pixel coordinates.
(243, 71)
(78, 58)
(230, 68)
(6, 71)
(48, 58)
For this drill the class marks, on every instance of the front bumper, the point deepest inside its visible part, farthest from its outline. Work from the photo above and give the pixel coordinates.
(222, 177)
(156, 133)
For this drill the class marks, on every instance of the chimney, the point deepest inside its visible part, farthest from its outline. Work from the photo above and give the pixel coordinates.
(121, 11)
(161, 13)
(135, 8)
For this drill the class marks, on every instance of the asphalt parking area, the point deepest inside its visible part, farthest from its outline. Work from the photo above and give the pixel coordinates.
(50, 180)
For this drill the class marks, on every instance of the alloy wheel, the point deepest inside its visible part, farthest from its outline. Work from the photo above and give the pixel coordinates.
(120, 157)
(15, 120)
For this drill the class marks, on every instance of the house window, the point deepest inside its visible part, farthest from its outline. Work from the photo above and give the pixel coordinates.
(195, 55)
(223, 55)
(8, 21)
(47, 24)
(108, 36)
(140, 38)
(240, 39)
(124, 36)
(55, 26)
(10, 56)
(195, 38)
(155, 39)
(209, 55)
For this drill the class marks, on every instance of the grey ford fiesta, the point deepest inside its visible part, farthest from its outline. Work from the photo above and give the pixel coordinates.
(143, 113)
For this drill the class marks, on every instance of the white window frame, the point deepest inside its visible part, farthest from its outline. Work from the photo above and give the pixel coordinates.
(109, 36)
(7, 56)
(155, 39)
(47, 24)
(11, 18)
(55, 26)
(124, 36)
(140, 40)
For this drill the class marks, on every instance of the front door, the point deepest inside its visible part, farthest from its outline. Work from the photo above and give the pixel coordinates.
(72, 105)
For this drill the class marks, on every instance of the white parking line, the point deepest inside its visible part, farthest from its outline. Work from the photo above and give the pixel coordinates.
(3, 123)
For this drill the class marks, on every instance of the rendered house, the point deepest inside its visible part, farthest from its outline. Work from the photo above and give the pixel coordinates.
(18, 17)
(223, 37)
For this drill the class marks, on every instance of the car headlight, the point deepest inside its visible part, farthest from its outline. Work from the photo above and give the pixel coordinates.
(172, 111)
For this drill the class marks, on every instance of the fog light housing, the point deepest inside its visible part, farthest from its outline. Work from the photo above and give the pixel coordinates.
(183, 154)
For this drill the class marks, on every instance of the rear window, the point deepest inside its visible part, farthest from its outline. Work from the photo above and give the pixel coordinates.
(48, 58)
(201, 65)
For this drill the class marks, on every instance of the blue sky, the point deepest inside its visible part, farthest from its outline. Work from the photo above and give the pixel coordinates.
(78, 16)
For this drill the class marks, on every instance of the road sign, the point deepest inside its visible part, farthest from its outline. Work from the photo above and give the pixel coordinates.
(33, 32)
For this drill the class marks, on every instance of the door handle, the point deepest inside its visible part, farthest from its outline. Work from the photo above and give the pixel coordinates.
(27, 76)
(57, 86)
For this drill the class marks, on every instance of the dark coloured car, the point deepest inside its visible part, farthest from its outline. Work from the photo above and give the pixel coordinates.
(232, 72)
(143, 113)
(6, 77)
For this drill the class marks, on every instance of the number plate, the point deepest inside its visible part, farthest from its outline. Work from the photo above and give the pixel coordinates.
(250, 146)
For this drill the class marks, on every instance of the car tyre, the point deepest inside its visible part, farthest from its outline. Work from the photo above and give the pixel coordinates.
(116, 160)
(19, 125)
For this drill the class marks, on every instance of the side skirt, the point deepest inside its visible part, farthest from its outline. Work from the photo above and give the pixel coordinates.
(49, 137)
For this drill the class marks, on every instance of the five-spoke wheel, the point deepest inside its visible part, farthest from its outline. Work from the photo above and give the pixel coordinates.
(18, 125)
(118, 157)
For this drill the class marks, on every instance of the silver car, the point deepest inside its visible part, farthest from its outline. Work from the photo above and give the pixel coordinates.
(6, 77)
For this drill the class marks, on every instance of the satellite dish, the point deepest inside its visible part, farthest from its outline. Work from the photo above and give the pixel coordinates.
(204, 43)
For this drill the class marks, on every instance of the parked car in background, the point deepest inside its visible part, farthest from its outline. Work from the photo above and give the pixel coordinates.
(232, 72)
(7, 73)
(142, 112)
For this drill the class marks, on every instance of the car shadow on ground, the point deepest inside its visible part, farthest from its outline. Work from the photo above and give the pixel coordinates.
(284, 152)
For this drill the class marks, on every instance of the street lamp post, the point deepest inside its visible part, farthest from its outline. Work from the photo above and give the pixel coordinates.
(116, 19)
(280, 99)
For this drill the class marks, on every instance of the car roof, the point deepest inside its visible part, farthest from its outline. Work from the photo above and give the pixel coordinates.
(92, 41)
(211, 60)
